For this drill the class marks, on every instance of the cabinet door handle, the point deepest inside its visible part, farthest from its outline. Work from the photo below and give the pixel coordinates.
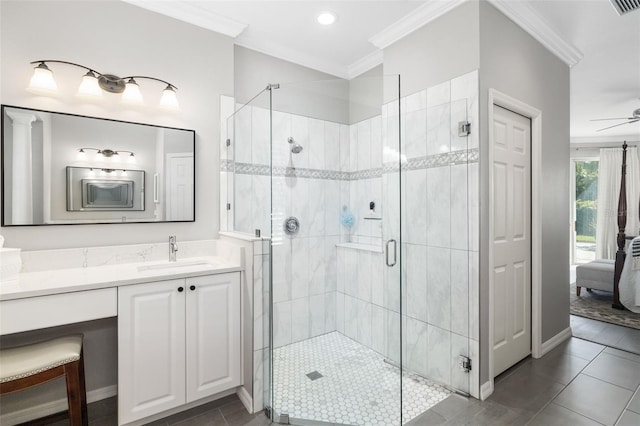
(180, 289)
(193, 287)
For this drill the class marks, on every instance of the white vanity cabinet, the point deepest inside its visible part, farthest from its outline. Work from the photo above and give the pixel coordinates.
(178, 341)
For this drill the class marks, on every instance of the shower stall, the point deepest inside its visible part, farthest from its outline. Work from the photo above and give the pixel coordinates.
(365, 201)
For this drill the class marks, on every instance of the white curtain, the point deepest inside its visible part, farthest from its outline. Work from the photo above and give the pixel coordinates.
(609, 175)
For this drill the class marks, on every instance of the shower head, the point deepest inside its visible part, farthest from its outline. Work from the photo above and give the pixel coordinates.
(296, 148)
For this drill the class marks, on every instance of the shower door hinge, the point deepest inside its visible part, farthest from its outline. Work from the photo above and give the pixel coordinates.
(273, 86)
(465, 363)
(228, 206)
(228, 142)
(464, 128)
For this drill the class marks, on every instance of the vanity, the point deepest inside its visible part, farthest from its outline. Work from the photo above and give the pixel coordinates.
(178, 323)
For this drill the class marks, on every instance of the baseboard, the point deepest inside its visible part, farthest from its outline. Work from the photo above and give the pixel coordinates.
(486, 390)
(550, 344)
(245, 398)
(53, 407)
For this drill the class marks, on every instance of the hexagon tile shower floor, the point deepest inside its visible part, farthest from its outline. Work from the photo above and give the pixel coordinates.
(332, 378)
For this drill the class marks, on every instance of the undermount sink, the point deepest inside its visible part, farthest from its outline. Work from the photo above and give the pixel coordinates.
(174, 265)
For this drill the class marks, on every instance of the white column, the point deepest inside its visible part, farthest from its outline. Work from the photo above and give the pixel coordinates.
(22, 181)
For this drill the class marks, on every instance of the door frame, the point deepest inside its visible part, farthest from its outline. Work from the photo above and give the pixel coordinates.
(515, 105)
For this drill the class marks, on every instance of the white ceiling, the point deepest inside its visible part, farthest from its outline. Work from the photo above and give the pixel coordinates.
(605, 81)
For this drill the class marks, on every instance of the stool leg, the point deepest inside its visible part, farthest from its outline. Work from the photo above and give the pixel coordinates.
(578, 291)
(76, 393)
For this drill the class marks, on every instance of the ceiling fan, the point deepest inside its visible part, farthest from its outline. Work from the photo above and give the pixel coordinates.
(633, 119)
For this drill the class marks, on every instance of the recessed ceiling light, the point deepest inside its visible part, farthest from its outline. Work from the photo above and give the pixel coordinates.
(327, 18)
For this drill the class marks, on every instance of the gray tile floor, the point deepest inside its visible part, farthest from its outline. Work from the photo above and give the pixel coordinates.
(577, 383)
(615, 336)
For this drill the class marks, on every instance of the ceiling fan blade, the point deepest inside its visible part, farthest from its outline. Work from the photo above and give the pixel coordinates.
(620, 118)
(621, 124)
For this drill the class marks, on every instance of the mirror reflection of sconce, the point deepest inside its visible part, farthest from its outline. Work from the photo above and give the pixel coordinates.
(107, 172)
(106, 154)
(94, 83)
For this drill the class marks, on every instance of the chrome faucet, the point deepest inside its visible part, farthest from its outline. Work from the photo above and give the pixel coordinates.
(173, 248)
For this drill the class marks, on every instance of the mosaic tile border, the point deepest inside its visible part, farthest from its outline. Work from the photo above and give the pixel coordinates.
(418, 163)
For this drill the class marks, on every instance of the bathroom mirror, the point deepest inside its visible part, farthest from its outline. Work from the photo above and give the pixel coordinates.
(60, 169)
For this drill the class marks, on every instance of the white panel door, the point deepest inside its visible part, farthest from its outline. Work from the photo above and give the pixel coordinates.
(511, 238)
(179, 192)
(213, 334)
(151, 341)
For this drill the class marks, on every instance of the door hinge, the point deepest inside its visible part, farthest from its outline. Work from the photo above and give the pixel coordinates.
(465, 363)
(228, 206)
(228, 142)
(464, 128)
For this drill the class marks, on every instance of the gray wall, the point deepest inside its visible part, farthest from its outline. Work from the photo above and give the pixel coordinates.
(445, 48)
(303, 91)
(199, 62)
(514, 63)
(365, 94)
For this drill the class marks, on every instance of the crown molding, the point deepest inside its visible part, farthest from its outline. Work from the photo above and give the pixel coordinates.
(617, 139)
(530, 21)
(193, 14)
(365, 63)
(306, 60)
(416, 19)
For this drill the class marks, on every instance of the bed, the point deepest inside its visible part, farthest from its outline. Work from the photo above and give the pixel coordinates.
(626, 281)
(622, 237)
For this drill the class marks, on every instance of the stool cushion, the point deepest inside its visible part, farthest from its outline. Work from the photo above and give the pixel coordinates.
(25, 361)
(597, 275)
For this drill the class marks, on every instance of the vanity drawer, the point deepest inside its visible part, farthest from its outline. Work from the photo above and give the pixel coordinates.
(33, 313)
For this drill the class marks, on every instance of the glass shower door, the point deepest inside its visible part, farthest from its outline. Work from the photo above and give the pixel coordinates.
(336, 253)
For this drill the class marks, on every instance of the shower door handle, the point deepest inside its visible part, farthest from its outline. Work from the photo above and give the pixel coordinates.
(395, 251)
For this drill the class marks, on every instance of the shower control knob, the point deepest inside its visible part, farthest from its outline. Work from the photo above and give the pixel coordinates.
(291, 225)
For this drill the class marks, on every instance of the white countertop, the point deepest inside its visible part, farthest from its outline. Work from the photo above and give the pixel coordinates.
(42, 283)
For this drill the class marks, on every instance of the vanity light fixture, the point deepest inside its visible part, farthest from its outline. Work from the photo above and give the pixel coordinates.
(326, 18)
(94, 83)
(106, 154)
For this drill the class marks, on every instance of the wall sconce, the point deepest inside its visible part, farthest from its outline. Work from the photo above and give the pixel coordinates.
(106, 154)
(94, 83)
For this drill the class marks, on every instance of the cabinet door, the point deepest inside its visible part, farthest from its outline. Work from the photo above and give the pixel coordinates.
(151, 339)
(213, 334)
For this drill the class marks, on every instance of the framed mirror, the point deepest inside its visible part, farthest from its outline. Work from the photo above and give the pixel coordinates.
(60, 169)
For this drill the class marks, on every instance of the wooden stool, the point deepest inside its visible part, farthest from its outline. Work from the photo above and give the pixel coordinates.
(26, 366)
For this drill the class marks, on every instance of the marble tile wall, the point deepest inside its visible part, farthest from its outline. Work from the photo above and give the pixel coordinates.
(312, 186)
(439, 188)
(318, 287)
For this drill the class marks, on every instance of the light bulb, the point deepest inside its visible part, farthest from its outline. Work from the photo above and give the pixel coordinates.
(89, 86)
(124, 173)
(326, 18)
(169, 100)
(131, 94)
(42, 80)
(82, 156)
(132, 158)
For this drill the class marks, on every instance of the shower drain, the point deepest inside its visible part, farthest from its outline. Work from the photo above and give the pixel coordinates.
(314, 375)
